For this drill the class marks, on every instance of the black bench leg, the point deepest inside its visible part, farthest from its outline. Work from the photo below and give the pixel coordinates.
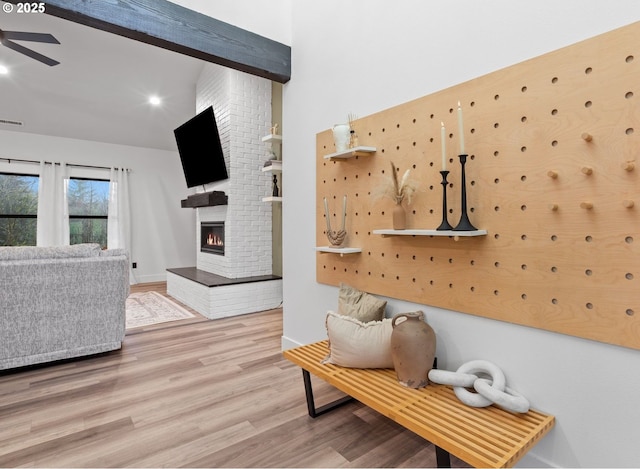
(311, 406)
(442, 457)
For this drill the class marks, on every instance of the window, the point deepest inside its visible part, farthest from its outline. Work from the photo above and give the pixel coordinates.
(88, 207)
(18, 209)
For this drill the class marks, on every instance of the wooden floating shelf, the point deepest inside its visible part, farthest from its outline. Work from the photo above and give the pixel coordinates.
(350, 153)
(276, 165)
(336, 250)
(450, 233)
(272, 199)
(272, 138)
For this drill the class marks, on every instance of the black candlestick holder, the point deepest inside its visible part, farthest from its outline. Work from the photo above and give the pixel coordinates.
(464, 224)
(445, 223)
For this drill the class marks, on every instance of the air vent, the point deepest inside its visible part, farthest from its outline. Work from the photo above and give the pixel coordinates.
(10, 122)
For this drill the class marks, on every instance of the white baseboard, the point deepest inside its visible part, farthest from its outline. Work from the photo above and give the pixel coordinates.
(288, 343)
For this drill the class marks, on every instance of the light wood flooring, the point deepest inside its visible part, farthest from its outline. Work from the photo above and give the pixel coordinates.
(191, 393)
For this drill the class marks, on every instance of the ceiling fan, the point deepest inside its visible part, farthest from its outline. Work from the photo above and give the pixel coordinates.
(7, 38)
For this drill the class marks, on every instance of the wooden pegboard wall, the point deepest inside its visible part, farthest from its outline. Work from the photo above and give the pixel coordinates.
(552, 176)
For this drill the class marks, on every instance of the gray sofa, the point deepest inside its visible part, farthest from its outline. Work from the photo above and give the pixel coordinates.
(60, 302)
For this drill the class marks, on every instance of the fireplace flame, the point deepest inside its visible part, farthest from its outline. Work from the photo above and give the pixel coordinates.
(213, 240)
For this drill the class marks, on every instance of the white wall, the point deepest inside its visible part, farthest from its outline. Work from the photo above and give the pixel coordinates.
(364, 56)
(163, 232)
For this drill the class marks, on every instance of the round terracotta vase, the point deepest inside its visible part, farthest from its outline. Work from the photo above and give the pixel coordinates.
(413, 347)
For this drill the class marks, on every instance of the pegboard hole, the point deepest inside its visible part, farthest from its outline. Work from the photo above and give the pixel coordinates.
(554, 269)
(523, 119)
(554, 301)
(523, 237)
(523, 266)
(588, 70)
(496, 153)
(588, 238)
(628, 240)
(496, 181)
(472, 289)
(451, 285)
(628, 276)
(554, 112)
(472, 103)
(523, 178)
(629, 312)
(496, 125)
(629, 131)
(588, 272)
(629, 95)
(523, 149)
(589, 305)
(554, 238)
(629, 59)
(554, 80)
(523, 89)
(496, 97)
(413, 280)
(554, 143)
(523, 296)
(588, 104)
(473, 131)
(523, 207)
(496, 236)
(497, 264)
(496, 292)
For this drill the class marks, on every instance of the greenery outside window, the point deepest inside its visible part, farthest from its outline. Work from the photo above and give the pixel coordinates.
(18, 209)
(88, 201)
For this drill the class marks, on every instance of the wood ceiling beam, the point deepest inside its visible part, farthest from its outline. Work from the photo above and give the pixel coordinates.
(173, 27)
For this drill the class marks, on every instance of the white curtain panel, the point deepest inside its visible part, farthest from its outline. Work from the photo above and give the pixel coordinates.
(119, 214)
(53, 209)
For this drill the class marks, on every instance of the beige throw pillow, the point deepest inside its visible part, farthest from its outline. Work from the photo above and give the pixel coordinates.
(360, 305)
(355, 344)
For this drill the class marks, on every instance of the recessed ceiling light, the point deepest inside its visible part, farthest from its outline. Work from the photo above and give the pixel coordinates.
(4, 70)
(155, 100)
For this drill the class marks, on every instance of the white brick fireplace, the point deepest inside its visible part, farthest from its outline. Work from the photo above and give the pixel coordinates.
(242, 107)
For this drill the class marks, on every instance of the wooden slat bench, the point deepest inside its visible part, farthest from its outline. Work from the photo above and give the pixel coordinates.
(482, 437)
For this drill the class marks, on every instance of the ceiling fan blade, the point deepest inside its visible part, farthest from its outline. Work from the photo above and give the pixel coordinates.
(30, 53)
(32, 37)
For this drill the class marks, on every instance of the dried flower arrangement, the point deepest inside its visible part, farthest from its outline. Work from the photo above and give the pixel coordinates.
(399, 190)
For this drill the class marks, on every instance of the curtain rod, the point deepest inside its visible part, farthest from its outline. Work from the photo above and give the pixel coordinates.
(17, 160)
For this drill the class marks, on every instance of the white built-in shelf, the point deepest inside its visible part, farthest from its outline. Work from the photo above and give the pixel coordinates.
(450, 233)
(350, 153)
(275, 165)
(272, 138)
(338, 250)
(272, 199)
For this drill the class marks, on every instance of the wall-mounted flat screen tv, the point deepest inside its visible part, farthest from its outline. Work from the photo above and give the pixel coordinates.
(200, 150)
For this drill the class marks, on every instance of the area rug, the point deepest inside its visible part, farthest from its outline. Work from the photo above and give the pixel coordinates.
(144, 309)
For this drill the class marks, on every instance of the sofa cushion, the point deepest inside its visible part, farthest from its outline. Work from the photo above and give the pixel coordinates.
(19, 253)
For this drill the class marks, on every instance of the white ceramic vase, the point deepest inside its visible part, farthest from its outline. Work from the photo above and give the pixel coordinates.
(341, 136)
